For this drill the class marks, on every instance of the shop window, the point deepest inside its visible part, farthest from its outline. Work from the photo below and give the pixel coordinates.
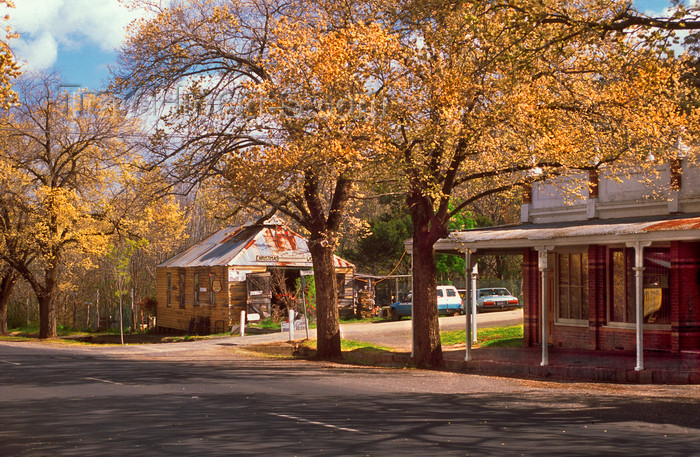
(572, 286)
(622, 297)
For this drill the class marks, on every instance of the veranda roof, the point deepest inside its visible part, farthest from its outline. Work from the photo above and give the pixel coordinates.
(610, 231)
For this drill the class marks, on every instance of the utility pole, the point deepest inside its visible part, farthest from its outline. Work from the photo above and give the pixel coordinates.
(97, 310)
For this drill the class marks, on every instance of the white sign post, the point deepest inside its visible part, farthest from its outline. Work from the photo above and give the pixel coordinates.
(291, 325)
(304, 274)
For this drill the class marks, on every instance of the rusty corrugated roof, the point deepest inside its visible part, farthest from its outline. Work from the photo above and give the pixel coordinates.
(269, 244)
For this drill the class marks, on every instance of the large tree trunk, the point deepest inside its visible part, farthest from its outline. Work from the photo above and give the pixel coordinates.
(6, 285)
(427, 229)
(327, 327)
(427, 349)
(47, 305)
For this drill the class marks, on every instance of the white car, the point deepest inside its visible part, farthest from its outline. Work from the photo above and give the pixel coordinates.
(449, 303)
(495, 298)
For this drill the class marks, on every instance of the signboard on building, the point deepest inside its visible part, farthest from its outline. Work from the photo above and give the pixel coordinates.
(237, 275)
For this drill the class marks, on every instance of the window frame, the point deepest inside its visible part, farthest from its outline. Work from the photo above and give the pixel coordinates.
(168, 290)
(182, 278)
(582, 287)
(630, 283)
(340, 285)
(195, 288)
(212, 294)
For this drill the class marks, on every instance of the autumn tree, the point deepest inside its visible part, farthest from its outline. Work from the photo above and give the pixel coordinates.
(12, 220)
(291, 127)
(68, 149)
(496, 96)
(9, 69)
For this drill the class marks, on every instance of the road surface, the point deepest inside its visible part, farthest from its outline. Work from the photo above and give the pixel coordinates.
(210, 398)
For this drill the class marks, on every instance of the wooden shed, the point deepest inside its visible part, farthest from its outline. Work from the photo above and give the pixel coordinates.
(204, 288)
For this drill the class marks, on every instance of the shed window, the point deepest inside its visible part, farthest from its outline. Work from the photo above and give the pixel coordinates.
(196, 289)
(212, 294)
(182, 289)
(340, 281)
(168, 290)
(572, 286)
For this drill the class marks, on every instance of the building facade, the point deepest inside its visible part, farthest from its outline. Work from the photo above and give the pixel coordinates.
(253, 268)
(617, 268)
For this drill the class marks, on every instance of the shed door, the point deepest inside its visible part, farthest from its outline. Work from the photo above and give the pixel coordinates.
(259, 294)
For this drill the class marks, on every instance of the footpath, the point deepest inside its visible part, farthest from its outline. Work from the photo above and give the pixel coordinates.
(564, 364)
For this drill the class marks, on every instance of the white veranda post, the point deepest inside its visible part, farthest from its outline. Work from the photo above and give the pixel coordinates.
(542, 264)
(469, 311)
(639, 298)
(475, 272)
(467, 308)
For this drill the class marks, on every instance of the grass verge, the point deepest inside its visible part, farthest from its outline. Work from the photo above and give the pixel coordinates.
(350, 345)
(487, 337)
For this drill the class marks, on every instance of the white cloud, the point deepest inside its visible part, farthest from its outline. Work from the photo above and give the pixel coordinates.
(39, 53)
(46, 25)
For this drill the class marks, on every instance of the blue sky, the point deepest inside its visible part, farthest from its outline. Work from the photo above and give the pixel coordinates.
(78, 37)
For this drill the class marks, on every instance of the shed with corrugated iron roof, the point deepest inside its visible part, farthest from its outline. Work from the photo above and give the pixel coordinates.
(254, 268)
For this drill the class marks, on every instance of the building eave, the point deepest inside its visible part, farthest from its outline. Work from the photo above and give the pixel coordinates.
(514, 238)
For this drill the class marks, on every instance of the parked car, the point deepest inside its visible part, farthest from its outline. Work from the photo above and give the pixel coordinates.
(449, 303)
(495, 298)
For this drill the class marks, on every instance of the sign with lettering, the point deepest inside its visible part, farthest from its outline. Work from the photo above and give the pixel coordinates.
(237, 275)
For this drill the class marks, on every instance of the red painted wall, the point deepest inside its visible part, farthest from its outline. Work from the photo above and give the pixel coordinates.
(684, 285)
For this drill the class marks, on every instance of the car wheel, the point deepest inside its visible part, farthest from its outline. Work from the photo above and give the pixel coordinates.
(394, 315)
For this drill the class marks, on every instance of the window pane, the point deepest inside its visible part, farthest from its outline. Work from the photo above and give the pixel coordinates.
(576, 269)
(563, 269)
(657, 267)
(182, 290)
(617, 280)
(196, 289)
(631, 291)
(563, 303)
(212, 295)
(575, 311)
(168, 287)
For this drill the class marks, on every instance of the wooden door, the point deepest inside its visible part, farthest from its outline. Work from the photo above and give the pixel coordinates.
(259, 294)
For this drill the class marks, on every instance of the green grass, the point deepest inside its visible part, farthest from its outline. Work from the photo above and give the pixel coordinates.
(179, 339)
(487, 337)
(350, 345)
(267, 324)
(102, 337)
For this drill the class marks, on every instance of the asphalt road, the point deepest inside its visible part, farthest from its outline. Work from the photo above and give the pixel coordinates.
(210, 398)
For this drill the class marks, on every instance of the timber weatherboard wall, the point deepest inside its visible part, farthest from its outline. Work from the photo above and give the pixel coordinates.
(229, 255)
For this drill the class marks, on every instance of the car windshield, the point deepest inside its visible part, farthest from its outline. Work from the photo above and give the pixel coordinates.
(493, 292)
